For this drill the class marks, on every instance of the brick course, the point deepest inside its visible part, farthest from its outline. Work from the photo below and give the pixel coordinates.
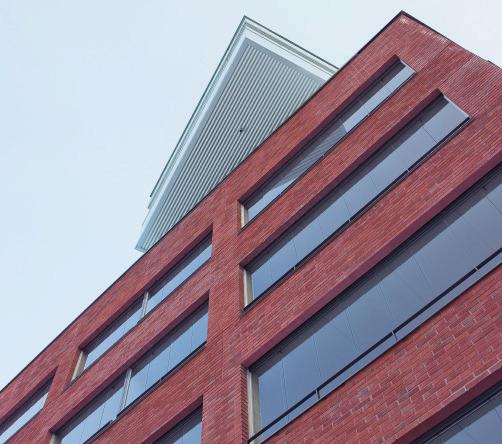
(441, 366)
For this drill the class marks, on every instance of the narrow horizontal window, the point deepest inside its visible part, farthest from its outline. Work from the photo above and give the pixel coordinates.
(188, 431)
(391, 162)
(156, 365)
(24, 413)
(121, 326)
(435, 266)
(479, 422)
(167, 355)
(359, 109)
(180, 273)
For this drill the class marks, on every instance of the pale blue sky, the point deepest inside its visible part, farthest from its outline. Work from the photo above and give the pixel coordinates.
(93, 97)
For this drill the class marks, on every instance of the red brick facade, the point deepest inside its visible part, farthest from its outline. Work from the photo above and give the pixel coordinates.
(443, 365)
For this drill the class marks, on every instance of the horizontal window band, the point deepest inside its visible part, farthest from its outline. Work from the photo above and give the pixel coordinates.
(343, 226)
(362, 106)
(448, 255)
(400, 333)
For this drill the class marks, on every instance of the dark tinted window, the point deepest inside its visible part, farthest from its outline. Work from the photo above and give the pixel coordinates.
(359, 190)
(112, 334)
(168, 354)
(95, 416)
(174, 278)
(382, 88)
(370, 317)
(187, 432)
(481, 425)
(24, 413)
(179, 274)
(151, 368)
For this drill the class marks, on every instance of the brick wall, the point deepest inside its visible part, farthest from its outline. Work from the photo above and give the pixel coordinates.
(438, 368)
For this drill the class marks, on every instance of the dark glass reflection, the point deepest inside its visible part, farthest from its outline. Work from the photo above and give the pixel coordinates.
(187, 432)
(151, 368)
(361, 188)
(168, 354)
(117, 329)
(369, 318)
(24, 413)
(189, 265)
(360, 108)
(482, 425)
(95, 416)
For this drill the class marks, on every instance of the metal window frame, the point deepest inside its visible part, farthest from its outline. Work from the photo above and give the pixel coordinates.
(245, 220)
(460, 414)
(362, 211)
(80, 367)
(127, 375)
(469, 279)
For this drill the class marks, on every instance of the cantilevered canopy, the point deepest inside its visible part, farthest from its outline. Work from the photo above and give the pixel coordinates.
(261, 80)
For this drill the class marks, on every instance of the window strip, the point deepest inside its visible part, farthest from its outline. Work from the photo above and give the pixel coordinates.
(25, 413)
(188, 430)
(168, 355)
(140, 308)
(376, 176)
(346, 121)
(479, 421)
(470, 249)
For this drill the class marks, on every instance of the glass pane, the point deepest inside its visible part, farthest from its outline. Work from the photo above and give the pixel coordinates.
(137, 383)
(113, 333)
(405, 288)
(494, 189)
(74, 435)
(159, 365)
(334, 341)
(368, 314)
(478, 227)
(360, 190)
(187, 432)
(199, 331)
(180, 347)
(261, 277)
(353, 115)
(307, 236)
(333, 213)
(284, 257)
(270, 389)
(193, 431)
(385, 167)
(441, 118)
(397, 75)
(375, 95)
(441, 258)
(112, 405)
(180, 273)
(301, 369)
(414, 143)
(92, 422)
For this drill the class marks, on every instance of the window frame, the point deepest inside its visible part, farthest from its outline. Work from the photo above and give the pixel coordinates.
(28, 401)
(80, 367)
(125, 376)
(444, 299)
(250, 301)
(244, 218)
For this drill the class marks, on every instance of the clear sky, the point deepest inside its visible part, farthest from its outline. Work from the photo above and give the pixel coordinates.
(93, 97)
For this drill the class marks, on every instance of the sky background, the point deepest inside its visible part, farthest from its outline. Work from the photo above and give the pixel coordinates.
(94, 95)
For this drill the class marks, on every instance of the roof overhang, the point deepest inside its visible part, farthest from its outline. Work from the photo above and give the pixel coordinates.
(248, 33)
